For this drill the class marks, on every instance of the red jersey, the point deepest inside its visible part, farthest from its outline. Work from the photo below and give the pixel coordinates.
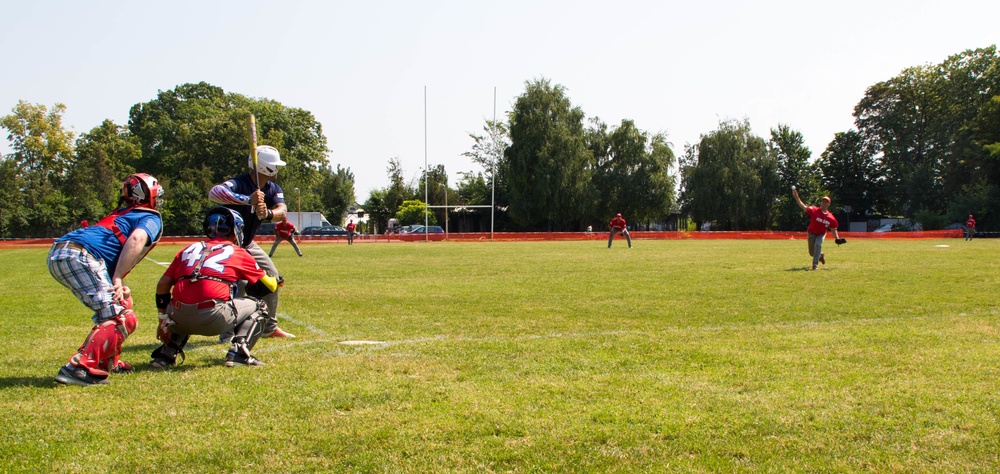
(820, 221)
(350, 227)
(617, 224)
(971, 223)
(284, 229)
(224, 260)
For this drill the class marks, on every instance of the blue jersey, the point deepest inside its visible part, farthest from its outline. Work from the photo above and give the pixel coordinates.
(101, 242)
(244, 184)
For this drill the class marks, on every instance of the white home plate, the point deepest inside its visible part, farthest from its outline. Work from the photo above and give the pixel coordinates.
(362, 343)
(942, 246)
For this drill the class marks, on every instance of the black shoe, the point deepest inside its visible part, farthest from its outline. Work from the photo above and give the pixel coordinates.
(163, 357)
(162, 362)
(234, 359)
(73, 375)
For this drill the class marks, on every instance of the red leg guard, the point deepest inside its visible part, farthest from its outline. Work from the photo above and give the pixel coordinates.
(99, 352)
(127, 302)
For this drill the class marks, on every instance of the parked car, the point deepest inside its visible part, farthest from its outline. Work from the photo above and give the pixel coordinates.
(266, 228)
(892, 228)
(419, 232)
(957, 225)
(325, 231)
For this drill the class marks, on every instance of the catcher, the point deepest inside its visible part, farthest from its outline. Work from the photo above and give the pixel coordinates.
(617, 225)
(820, 220)
(204, 279)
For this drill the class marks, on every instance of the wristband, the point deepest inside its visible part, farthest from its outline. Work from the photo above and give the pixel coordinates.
(270, 215)
(162, 300)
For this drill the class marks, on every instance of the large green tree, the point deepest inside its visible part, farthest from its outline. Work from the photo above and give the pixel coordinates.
(923, 125)
(851, 175)
(731, 179)
(104, 157)
(795, 168)
(631, 172)
(336, 191)
(195, 136)
(547, 166)
(34, 175)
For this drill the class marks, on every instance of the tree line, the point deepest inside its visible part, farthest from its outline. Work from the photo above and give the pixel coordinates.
(925, 145)
(189, 138)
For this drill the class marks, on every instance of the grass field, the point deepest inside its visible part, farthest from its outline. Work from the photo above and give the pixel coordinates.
(674, 356)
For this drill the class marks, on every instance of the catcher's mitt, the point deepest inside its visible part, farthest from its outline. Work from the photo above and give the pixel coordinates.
(841, 241)
(163, 332)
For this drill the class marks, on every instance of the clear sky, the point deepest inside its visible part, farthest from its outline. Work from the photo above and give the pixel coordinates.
(362, 68)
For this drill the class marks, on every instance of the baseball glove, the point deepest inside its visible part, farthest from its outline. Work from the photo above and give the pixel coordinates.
(163, 332)
(841, 241)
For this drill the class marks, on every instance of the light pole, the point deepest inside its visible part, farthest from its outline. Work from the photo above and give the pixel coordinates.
(445, 184)
(299, 194)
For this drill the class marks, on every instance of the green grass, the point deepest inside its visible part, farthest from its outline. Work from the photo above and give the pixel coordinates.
(675, 356)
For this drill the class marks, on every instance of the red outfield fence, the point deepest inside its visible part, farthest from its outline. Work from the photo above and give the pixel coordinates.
(731, 235)
(555, 236)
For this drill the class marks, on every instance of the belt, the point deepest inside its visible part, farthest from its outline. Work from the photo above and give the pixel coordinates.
(202, 305)
(69, 244)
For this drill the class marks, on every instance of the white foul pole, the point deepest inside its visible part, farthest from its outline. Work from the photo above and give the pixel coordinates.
(426, 234)
(493, 191)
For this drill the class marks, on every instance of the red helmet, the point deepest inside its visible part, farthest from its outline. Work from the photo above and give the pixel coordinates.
(141, 189)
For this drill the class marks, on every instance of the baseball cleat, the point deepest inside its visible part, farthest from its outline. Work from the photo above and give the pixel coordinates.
(73, 375)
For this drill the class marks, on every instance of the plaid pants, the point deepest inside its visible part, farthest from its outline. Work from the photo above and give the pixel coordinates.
(87, 277)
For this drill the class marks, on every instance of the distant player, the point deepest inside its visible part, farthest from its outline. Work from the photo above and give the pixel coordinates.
(970, 228)
(92, 262)
(203, 281)
(284, 230)
(350, 232)
(255, 204)
(820, 220)
(617, 225)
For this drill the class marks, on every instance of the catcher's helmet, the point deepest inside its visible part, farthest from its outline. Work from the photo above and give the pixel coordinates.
(268, 160)
(222, 222)
(141, 189)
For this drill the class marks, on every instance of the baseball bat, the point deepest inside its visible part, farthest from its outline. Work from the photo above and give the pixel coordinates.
(253, 148)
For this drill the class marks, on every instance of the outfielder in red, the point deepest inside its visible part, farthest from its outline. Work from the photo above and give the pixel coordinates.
(284, 230)
(350, 232)
(820, 220)
(203, 278)
(970, 228)
(618, 225)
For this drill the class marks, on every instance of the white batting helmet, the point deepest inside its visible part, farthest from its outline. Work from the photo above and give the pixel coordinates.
(268, 160)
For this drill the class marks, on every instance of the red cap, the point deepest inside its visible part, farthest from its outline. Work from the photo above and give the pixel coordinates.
(619, 215)
(826, 198)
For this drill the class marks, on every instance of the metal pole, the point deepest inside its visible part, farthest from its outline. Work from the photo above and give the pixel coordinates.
(493, 198)
(446, 210)
(299, 193)
(425, 165)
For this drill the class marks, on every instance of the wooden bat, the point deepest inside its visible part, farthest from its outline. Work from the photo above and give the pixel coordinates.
(253, 148)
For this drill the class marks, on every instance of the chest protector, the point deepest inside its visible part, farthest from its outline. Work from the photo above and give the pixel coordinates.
(109, 223)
